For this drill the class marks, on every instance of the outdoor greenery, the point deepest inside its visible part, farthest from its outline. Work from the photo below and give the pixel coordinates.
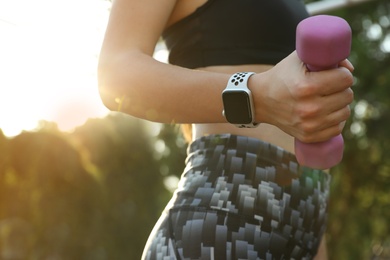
(97, 192)
(93, 194)
(359, 224)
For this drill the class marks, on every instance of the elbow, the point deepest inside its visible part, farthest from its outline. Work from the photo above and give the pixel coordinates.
(120, 85)
(108, 90)
(116, 90)
(107, 97)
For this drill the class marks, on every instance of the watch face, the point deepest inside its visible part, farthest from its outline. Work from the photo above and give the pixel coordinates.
(237, 107)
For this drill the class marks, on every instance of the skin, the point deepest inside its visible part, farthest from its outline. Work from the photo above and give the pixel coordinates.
(311, 106)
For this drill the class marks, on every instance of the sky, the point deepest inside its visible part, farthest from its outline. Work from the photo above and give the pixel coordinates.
(48, 61)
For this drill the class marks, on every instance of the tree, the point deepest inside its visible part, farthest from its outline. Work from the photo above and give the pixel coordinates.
(93, 194)
(50, 205)
(360, 205)
(123, 150)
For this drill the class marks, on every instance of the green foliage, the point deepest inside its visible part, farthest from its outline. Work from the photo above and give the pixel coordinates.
(93, 194)
(49, 203)
(173, 156)
(122, 150)
(359, 224)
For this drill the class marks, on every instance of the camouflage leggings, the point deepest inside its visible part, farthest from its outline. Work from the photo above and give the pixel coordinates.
(241, 198)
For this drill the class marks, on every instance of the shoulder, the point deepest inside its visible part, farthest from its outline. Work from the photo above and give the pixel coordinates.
(138, 23)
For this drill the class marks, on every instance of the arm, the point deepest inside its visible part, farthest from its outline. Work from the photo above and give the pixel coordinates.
(287, 96)
(130, 78)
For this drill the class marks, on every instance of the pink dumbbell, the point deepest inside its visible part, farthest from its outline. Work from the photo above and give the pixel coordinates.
(322, 41)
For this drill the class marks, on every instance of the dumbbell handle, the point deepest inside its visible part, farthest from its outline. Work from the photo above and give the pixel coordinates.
(322, 42)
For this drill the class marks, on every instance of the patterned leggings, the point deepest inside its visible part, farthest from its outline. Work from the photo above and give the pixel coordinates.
(241, 198)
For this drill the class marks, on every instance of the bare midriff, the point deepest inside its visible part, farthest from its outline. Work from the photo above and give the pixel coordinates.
(264, 132)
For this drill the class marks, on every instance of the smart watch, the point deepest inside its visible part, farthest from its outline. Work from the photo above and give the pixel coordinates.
(238, 102)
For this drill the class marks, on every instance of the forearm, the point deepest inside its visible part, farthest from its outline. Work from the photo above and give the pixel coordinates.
(140, 86)
(309, 106)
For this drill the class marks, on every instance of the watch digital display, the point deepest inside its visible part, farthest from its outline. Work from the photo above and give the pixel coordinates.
(237, 107)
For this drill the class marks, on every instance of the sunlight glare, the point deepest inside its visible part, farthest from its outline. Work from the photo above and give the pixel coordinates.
(48, 60)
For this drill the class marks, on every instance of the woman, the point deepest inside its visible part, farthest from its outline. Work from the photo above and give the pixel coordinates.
(242, 194)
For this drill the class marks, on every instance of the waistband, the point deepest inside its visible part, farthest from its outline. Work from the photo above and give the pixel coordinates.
(266, 152)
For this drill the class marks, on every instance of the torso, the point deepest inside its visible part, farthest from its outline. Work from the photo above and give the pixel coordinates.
(264, 132)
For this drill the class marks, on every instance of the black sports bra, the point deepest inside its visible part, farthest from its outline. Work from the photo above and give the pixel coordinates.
(235, 32)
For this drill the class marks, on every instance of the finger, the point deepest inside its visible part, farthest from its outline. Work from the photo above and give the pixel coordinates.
(332, 81)
(338, 117)
(342, 125)
(331, 119)
(323, 135)
(338, 100)
(347, 64)
(325, 126)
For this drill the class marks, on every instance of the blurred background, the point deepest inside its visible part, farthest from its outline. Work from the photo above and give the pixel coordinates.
(79, 182)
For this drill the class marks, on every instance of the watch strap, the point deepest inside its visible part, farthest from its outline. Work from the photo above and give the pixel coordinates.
(239, 80)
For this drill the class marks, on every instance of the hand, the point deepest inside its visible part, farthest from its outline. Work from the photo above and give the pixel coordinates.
(311, 106)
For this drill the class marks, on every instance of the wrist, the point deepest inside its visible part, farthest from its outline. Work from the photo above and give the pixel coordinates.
(238, 101)
(258, 86)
